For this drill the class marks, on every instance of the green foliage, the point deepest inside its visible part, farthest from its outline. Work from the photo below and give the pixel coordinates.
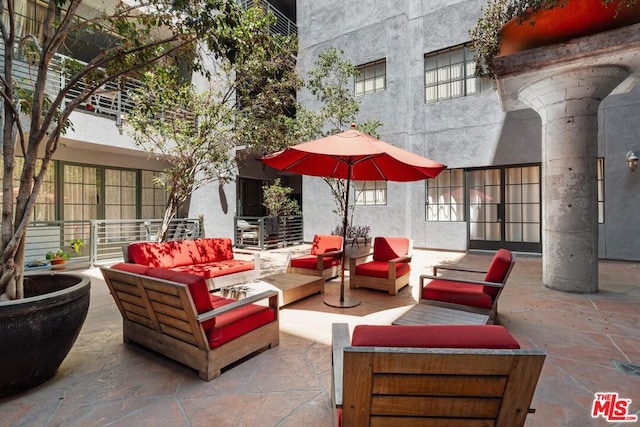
(485, 35)
(277, 200)
(59, 254)
(76, 245)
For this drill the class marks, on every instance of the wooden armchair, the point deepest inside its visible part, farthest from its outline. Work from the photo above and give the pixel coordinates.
(388, 271)
(458, 375)
(324, 259)
(478, 296)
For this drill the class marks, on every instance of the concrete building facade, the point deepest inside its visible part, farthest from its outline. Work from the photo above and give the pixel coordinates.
(498, 153)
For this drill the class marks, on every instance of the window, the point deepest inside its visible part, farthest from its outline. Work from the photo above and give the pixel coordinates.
(44, 208)
(154, 197)
(371, 192)
(371, 77)
(445, 196)
(450, 73)
(600, 191)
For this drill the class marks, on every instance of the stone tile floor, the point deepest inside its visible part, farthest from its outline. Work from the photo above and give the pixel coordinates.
(104, 382)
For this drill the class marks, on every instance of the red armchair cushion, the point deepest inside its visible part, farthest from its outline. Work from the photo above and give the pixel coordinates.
(381, 269)
(388, 248)
(498, 270)
(164, 254)
(311, 261)
(215, 269)
(323, 243)
(434, 336)
(457, 293)
(238, 322)
(131, 268)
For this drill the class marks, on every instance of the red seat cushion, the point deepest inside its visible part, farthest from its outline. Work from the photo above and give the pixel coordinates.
(457, 293)
(238, 322)
(434, 336)
(498, 270)
(323, 243)
(388, 248)
(381, 269)
(215, 269)
(311, 261)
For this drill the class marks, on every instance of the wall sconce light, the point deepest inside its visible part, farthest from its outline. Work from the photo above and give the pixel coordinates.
(632, 161)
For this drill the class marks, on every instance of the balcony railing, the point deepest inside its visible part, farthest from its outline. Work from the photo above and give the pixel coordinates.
(103, 239)
(283, 24)
(268, 232)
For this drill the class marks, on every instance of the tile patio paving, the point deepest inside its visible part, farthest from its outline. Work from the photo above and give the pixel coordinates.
(104, 382)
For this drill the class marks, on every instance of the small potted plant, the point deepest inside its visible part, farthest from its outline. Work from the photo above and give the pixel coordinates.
(58, 258)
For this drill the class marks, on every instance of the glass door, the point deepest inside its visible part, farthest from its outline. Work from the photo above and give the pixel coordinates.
(505, 209)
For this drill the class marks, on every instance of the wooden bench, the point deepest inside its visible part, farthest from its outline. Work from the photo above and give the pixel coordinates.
(161, 315)
(411, 386)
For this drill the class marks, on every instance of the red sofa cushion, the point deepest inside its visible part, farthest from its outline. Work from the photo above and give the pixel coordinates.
(387, 248)
(131, 268)
(457, 293)
(215, 249)
(215, 269)
(323, 243)
(434, 336)
(498, 270)
(238, 322)
(164, 254)
(381, 269)
(311, 261)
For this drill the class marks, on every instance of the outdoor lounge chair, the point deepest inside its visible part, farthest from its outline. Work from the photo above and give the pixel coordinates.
(324, 259)
(479, 296)
(388, 271)
(454, 375)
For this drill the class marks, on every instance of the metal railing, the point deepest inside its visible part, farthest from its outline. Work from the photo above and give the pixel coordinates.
(103, 239)
(268, 232)
(283, 24)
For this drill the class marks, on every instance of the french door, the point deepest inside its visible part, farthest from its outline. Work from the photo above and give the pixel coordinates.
(505, 208)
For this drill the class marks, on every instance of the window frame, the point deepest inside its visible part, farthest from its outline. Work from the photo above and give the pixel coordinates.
(442, 189)
(362, 78)
(362, 189)
(470, 84)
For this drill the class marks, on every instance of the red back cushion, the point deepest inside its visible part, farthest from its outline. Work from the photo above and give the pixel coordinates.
(164, 254)
(498, 270)
(131, 268)
(196, 284)
(386, 248)
(215, 249)
(323, 243)
(434, 336)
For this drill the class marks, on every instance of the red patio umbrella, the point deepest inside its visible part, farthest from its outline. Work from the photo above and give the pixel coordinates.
(353, 155)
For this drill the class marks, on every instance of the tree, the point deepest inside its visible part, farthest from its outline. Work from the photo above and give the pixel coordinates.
(330, 82)
(278, 201)
(142, 35)
(197, 132)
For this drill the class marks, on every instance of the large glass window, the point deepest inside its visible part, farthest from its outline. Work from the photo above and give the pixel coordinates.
(120, 194)
(371, 77)
(153, 197)
(450, 73)
(371, 192)
(445, 196)
(80, 192)
(44, 208)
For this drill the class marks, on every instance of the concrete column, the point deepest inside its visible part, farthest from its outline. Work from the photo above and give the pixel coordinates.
(567, 103)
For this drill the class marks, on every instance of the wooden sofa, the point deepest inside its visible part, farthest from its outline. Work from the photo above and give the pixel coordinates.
(212, 258)
(468, 294)
(457, 375)
(174, 314)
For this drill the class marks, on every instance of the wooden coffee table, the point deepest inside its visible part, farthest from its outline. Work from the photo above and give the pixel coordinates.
(424, 314)
(290, 287)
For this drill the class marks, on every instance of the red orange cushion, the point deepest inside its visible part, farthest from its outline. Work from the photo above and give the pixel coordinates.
(238, 322)
(323, 243)
(387, 248)
(131, 268)
(434, 336)
(381, 269)
(215, 269)
(311, 261)
(179, 253)
(457, 293)
(498, 270)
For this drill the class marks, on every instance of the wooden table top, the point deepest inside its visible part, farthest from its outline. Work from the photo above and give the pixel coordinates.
(424, 314)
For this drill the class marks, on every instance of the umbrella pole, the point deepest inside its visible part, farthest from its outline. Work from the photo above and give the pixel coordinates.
(343, 302)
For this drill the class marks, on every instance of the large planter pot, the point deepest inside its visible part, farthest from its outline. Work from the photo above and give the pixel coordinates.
(577, 19)
(354, 248)
(37, 332)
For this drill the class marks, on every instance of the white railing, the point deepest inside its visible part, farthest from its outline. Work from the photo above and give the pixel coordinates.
(266, 232)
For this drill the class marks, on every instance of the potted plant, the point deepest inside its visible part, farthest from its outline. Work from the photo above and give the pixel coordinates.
(509, 26)
(277, 199)
(60, 257)
(357, 241)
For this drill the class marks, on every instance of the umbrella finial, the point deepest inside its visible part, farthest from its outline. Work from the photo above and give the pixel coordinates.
(353, 125)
